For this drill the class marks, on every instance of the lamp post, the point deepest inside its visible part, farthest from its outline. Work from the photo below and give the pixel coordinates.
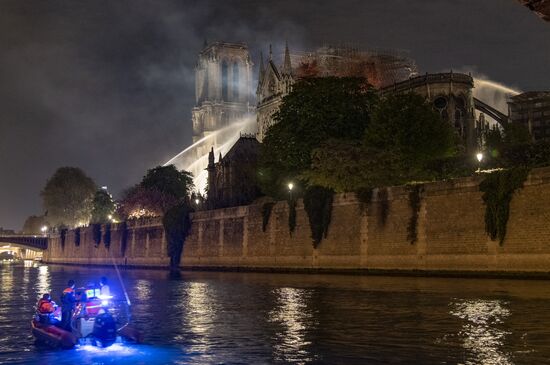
(479, 157)
(290, 187)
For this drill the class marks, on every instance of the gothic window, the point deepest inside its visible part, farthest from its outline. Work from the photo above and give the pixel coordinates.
(235, 81)
(224, 81)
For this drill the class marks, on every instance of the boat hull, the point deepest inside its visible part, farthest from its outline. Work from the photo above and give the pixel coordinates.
(53, 336)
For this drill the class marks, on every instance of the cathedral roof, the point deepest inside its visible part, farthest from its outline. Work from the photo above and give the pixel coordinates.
(246, 148)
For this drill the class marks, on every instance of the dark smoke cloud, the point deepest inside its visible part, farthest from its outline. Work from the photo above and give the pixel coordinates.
(109, 85)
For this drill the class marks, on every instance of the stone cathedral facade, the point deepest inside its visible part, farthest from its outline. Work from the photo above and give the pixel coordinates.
(223, 82)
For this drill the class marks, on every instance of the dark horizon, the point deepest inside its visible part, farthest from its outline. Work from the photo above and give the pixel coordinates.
(109, 87)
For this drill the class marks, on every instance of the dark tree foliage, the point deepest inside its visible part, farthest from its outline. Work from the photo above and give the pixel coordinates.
(316, 110)
(498, 189)
(318, 205)
(107, 235)
(168, 180)
(267, 208)
(404, 141)
(96, 233)
(177, 225)
(102, 207)
(68, 197)
(161, 189)
(407, 135)
(33, 224)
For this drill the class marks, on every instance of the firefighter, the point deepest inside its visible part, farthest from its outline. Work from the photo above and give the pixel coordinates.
(68, 304)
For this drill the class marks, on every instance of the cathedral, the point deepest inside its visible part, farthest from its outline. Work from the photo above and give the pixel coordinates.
(223, 79)
(380, 69)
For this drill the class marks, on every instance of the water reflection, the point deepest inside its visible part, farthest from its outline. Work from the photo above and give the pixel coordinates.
(43, 283)
(295, 318)
(200, 313)
(483, 338)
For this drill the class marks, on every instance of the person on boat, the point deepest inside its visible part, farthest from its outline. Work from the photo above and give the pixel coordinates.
(68, 304)
(104, 291)
(45, 308)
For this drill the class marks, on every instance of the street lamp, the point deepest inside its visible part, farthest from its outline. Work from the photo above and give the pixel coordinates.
(479, 157)
(197, 201)
(290, 187)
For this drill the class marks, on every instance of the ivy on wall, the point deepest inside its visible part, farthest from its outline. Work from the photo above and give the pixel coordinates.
(415, 200)
(123, 228)
(77, 236)
(291, 215)
(267, 208)
(96, 234)
(63, 236)
(498, 189)
(177, 225)
(364, 196)
(318, 205)
(107, 235)
(383, 205)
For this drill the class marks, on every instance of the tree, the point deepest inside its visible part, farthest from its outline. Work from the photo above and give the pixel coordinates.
(68, 197)
(33, 224)
(160, 189)
(316, 110)
(103, 206)
(404, 141)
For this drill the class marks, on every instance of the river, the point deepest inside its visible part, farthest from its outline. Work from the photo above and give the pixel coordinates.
(261, 318)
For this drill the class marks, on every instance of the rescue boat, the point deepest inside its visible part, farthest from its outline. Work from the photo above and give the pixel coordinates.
(93, 323)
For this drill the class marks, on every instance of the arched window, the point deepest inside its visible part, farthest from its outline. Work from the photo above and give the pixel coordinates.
(235, 81)
(224, 82)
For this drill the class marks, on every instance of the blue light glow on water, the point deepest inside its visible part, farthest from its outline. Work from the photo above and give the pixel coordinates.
(206, 318)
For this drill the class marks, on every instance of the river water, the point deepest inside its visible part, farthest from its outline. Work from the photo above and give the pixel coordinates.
(253, 318)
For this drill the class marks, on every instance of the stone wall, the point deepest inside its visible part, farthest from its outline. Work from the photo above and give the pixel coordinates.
(451, 235)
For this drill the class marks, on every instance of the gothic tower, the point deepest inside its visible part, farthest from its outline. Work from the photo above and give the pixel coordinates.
(223, 77)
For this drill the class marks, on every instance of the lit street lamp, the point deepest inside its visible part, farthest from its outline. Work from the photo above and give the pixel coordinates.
(479, 157)
(197, 201)
(44, 229)
(290, 187)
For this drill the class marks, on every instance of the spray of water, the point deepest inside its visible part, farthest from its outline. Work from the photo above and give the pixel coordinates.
(195, 157)
(493, 93)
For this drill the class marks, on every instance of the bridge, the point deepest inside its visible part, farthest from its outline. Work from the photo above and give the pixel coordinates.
(501, 118)
(26, 241)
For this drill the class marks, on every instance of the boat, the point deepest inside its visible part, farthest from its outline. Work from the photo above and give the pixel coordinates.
(94, 322)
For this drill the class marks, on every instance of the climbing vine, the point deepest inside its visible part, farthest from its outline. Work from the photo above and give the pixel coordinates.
(177, 225)
(291, 215)
(498, 189)
(415, 199)
(107, 235)
(267, 208)
(77, 236)
(63, 236)
(96, 234)
(123, 229)
(318, 205)
(383, 205)
(364, 196)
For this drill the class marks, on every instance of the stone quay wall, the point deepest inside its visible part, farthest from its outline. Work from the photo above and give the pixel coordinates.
(450, 235)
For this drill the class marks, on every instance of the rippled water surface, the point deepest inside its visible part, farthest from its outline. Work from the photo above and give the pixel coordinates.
(248, 318)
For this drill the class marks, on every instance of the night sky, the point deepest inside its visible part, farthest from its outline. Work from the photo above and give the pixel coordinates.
(108, 86)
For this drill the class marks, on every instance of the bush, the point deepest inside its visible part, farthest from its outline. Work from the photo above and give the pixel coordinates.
(63, 236)
(107, 235)
(123, 228)
(96, 233)
(383, 205)
(177, 225)
(415, 199)
(77, 236)
(318, 205)
(266, 213)
(291, 215)
(498, 189)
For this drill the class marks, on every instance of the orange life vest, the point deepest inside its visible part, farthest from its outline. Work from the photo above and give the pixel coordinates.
(45, 306)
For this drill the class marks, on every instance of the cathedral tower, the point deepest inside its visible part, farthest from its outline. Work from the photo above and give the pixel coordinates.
(223, 77)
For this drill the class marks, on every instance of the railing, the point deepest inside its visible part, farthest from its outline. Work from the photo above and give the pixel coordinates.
(38, 242)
